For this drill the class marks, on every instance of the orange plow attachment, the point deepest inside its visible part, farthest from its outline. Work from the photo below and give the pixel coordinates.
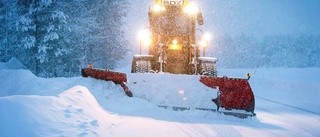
(107, 75)
(234, 93)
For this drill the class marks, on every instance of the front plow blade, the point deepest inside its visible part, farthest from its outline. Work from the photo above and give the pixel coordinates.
(234, 94)
(107, 75)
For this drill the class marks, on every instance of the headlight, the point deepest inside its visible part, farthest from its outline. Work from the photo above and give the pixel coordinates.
(145, 37)
(205, 39)
(146, 41)
(158, 8)
(203, 43)
(175, 45)
(174, 42)
(191, 9)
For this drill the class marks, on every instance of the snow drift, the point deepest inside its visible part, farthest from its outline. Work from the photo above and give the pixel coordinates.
(60, 115)
(286, 105)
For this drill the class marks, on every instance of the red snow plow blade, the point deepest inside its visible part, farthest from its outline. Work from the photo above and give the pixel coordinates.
(107, 75)
(234, 94)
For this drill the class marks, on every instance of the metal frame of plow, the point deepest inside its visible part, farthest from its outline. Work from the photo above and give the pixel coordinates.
(107, 75)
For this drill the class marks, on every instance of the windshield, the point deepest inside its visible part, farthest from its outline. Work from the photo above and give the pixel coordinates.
(174, 22)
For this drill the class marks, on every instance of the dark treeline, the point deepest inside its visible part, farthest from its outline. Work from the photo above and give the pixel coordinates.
(272, 51)
(55, 38)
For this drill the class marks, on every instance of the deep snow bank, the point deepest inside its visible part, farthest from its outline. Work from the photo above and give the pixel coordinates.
(13, 63)
(75, 112)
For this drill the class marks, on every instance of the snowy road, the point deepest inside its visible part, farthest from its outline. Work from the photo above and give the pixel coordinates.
(274, 117)
(296, 121)
(88, 107)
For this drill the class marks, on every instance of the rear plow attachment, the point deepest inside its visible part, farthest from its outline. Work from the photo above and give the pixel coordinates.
(235, 96)
(107, 75)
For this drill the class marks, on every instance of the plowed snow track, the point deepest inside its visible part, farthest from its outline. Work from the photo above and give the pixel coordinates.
(141, 116)
(298, 121)
(172, 90)
(277, 102)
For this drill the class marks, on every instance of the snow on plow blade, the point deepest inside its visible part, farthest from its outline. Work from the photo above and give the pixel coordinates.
(107, 75)
(234, 94)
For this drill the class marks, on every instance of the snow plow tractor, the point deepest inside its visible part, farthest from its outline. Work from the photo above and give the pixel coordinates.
(174, 43)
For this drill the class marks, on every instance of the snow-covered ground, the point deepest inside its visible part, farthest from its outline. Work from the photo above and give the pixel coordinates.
(287, 104)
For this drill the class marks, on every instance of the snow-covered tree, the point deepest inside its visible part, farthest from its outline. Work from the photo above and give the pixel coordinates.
(8, 33)
(41, 28)
(96, 33)
(2, 31)
(104, 43)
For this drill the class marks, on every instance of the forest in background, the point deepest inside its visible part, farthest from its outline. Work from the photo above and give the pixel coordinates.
(278, 50)
(55, 38)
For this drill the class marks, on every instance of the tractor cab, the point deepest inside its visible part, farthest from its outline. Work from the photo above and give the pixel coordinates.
(171, 39)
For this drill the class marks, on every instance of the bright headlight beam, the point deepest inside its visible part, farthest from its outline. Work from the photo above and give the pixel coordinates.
(146, 41)
(206, 37)
(144, 33)
(145, 37)
(158, 8)
(174, 42)
(203, 43)
(191, 9)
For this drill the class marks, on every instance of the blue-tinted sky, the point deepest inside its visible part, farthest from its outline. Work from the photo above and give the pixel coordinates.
(235, 17)
(257, 17)
(261, 17)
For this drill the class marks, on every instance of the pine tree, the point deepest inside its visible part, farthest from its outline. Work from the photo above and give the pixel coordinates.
(8, 33)
(41, 27)
(56, 38)
(105, 43)
(2, 31)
